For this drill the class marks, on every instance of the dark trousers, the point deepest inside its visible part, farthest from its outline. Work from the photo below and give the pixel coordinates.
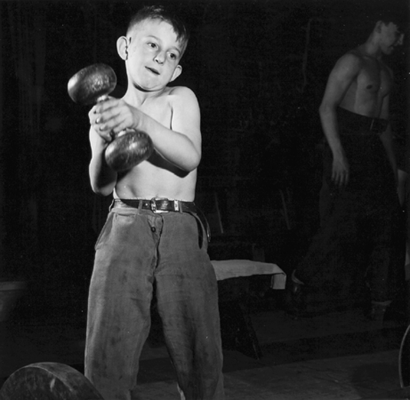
(137, 249)
(360, 223)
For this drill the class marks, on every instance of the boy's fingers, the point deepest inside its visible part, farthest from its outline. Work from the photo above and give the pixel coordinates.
(105, 105)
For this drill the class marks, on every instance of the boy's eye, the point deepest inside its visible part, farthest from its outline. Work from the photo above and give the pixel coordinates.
(172, 56)
(152, 45)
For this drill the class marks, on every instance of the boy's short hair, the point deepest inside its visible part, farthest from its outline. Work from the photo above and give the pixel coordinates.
(163, 14)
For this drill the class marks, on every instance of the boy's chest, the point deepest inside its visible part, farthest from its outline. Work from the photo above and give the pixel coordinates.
(159, 110)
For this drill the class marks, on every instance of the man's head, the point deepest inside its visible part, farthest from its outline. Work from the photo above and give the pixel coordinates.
(152, 48)
(388, 33)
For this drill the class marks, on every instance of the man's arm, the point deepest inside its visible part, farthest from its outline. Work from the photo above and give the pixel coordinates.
(341, 77)
(180, 145)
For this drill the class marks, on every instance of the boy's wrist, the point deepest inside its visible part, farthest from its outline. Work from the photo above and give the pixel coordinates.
(143, 123)
(101, 144)
(140, 121)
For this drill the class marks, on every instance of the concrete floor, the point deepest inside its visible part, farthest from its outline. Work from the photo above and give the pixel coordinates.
(340, 355)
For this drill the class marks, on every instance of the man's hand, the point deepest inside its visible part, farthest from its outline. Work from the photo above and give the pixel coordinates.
(340, 171)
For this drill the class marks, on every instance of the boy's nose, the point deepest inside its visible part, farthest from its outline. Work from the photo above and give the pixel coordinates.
(160, 57)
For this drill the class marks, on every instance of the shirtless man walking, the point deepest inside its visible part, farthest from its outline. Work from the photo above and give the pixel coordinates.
(361, 176)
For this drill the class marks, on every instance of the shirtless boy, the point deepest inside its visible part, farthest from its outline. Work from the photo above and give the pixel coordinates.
(360, 173)
(153, 243)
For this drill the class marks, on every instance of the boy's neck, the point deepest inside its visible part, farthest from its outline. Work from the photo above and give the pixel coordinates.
(138, 97)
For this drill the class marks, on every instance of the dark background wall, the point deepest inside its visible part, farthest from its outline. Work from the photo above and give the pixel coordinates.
(259, 69)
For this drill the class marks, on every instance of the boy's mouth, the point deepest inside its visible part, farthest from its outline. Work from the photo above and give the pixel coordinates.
(154, 71)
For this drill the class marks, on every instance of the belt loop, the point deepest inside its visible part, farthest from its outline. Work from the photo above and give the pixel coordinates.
(371, 125)
(111, 205)
(140, 205)
(153, 205)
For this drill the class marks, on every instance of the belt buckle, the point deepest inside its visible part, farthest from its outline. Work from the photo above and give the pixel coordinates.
(153, 204)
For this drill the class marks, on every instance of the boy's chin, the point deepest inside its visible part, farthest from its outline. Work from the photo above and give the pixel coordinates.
(145, 88)
(149, 87)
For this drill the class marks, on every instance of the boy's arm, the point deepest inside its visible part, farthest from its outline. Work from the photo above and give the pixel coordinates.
(341, 77)
(180, 144)
(102, 177)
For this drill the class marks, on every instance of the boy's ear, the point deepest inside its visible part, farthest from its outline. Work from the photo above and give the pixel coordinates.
(122, 47)
(177, 72)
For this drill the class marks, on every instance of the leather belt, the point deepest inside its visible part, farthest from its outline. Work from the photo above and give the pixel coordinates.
(166, 205)
(160, 205)
(358, 123)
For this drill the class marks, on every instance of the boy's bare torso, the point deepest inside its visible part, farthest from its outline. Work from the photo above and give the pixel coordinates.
(366, 93)
(157, 177)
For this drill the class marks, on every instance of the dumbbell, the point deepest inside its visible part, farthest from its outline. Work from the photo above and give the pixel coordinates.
(93, 84)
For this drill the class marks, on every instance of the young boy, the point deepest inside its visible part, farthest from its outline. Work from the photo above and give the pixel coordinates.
(153, 242)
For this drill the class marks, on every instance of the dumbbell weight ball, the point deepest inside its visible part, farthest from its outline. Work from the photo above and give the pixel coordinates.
(128, 150)
(93, 84)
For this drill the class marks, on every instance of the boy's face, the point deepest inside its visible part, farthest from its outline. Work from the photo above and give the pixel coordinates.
(152, 55)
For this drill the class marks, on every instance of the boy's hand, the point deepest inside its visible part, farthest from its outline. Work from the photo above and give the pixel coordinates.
(94, 118)
(112, 116)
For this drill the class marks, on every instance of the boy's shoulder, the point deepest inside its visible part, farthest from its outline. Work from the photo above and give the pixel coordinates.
(180, 93)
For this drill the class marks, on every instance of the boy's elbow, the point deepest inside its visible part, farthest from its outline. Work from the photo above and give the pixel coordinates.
(193, 163)
(100, 187)
(188, 166)
(189, 161)
(101, 190)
